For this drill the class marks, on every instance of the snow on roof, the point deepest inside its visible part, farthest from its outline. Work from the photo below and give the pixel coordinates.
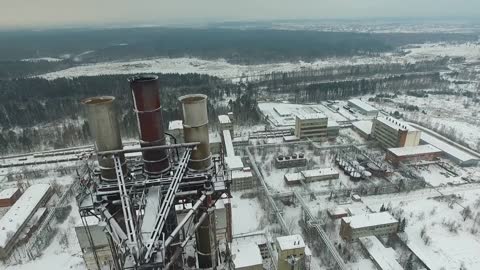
(290, 242)
(414, 150)
(175, 124)
(246, 255)
(290, 138)
(293, 177)
(234, 163)
(306, 115)
(337, 211)
(241, 174)
(224, 119)
(319, 172)
(21, 211)
(369, 220)
(332, 123)
(362, 105)
(395, 123)
(227, 139)
(384, 257)
(7, 193)
(364, 126)
(451, 150)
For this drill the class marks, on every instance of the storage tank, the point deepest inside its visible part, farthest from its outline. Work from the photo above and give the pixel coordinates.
(103, 125)
(147, 106)
(195, 129)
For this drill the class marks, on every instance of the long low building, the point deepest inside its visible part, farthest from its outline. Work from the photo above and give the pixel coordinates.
(19, 214)
(311, 176)
(384, 258)
(412, 153)
(368, 225)
(363, 107)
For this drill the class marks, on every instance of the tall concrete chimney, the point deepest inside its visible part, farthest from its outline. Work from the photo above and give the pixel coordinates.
(103, 124)
(147, 106)
(195, 129)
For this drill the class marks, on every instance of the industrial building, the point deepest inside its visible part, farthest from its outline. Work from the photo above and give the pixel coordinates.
(311, 176)
(364, 128)
(136, 200)
(17, 217)
(337, 212)
(333, 129)
(246, 256)
(392, 133)
(412, 153)
(242, 179)
(311, 125)
(378, 224)
(94, 244)
(363, 107)
(9, 196)
(290, 161)
(225, 123)
(291, 251)
(241, 176)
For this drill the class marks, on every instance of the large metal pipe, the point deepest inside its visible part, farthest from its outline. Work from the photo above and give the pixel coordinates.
(103, 124)
(147, 106)
(195, 129)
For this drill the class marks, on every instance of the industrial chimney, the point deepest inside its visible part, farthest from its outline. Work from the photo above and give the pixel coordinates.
(147, 106)
(103, 124)
(195, 129)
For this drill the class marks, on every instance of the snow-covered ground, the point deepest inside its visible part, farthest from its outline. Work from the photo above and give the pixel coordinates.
(448, 240)
(47, 59)
(223, 69)
(247, 215)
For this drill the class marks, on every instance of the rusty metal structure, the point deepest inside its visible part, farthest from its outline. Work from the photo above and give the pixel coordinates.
(137, 203)
(148, 108)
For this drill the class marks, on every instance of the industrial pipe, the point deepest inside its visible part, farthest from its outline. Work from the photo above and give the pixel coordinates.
(195, 129)
(103, 125)
(147, 106)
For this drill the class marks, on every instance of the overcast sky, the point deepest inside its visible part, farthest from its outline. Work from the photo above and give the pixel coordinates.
(40, 13)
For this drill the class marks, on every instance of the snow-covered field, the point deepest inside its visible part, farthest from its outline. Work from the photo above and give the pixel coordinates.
(223, 69)
(247, 215)
(447, 241)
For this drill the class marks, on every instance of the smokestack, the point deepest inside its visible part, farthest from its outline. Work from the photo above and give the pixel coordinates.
(146, 100)
(195, 129)
(103, 124)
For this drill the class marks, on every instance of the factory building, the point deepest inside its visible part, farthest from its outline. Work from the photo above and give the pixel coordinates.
(412, 153)
(311, 176)
(246, 256)
(333, 129)
(364, 128)
(242, 177)
(9, 196)
(379, 224)
(291, 161)
(225, 123)
(291, 252)
(392, 133)
(363, 107)
(311, 125)
(94, 244)
(17, 217)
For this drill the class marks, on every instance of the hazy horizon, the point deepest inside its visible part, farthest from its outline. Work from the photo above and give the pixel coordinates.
(58, 14)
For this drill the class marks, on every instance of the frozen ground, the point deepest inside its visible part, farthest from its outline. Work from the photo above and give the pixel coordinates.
(448, 240)
(226, 70)
(247, 214)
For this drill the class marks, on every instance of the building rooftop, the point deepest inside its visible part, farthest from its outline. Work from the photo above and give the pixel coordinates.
(369, 220)
(319, 172)
(224, 119)
(238, 174)
(309, 115)
(20, 212)
(246, 255)
(7, 193)
(290, 242)
(293, 177)
(414, 150)
(363, 105)
(175, 124)
(332, 124)
(234, 163)
(227, 139)
(384, 257)
(395, 123)
(364, 126)
(455, 152)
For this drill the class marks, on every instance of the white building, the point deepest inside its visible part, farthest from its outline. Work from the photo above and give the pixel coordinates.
(311, 125)
(380, 224)
(101, 247)
(320, 174)
(291, 253)
(391, 133)
(246, 256)
(363, 107)
(225, 123)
